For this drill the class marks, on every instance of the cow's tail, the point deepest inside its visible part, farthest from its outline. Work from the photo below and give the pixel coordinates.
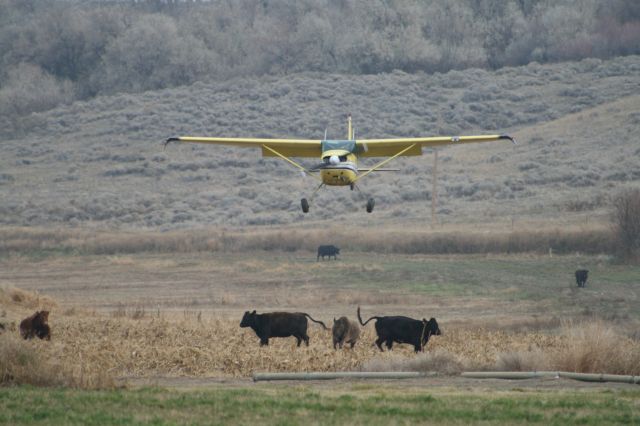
(360, 318)
(319, 322)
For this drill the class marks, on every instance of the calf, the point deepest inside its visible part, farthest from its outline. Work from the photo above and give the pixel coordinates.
(403, 330)
(345, 331)
(279, 324)
(36, 326)
(581, 277)
(327, 251)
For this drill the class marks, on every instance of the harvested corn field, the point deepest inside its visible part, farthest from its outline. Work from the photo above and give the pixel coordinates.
(145, 316)
(126, 347)
(162, 346)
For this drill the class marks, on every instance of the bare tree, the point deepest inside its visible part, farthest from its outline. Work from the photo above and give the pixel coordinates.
(626, 221)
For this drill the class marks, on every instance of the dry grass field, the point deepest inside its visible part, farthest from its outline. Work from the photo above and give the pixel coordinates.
(153, 315)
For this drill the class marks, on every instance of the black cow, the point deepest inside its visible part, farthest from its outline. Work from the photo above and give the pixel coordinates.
(403, 330)
(327, 251)
(581, 277)
(279, 324)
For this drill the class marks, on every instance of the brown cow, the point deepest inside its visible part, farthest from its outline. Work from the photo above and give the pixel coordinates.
(36, 326)
(345, 331)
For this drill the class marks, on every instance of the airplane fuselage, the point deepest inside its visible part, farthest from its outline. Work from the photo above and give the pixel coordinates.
(339, 173)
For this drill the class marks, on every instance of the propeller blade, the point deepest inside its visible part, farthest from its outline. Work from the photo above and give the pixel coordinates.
(317, 167)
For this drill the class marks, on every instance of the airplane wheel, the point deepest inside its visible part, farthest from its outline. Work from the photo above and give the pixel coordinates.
(370, 204)
(305, 205)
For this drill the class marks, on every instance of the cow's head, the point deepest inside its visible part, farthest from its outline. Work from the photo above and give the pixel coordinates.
(431, 329)
(340, 326)
(337, 250)
(43, 316)
(248, 319)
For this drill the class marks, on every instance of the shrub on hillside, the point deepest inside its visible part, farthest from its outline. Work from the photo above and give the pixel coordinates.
(29, 89)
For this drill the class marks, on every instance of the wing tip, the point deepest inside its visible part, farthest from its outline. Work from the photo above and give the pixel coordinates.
(169, 140)
(507, 137)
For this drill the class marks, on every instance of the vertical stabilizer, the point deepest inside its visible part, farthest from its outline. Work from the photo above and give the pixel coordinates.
(349, 128)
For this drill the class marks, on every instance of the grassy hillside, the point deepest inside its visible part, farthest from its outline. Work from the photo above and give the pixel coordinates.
(101, 163)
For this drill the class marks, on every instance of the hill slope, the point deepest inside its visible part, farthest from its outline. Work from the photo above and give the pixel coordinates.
(101, 163)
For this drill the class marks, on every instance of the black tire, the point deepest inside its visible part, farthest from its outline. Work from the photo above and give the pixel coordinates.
(370, 205)
(305, 205)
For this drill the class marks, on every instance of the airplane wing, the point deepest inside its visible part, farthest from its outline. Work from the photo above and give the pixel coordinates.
(389, 147)
(286, 147)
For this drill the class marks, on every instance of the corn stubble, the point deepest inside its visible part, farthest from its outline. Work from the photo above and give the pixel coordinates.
(127, 347)
(89, 350)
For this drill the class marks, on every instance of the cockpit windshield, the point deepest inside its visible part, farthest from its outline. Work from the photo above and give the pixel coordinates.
(344, 145)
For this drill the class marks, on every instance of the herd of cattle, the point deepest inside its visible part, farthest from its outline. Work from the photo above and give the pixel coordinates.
(390, 329)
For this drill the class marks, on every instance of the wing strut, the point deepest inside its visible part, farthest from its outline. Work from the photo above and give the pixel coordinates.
(293, 163)
(382, 163)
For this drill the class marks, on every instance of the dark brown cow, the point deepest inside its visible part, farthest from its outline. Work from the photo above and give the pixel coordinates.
(279, 324)
(36, 326)
(345, 331)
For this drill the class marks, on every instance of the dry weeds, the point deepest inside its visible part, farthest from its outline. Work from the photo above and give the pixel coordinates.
(595, 238)
(187, 345)
(36, 362)
(25, 299)
(90, 349)
(596, 347)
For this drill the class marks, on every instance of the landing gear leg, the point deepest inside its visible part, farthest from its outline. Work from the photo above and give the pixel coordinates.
(305, 204)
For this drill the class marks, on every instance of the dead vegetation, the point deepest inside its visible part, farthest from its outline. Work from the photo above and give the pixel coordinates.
(91, 350)
(589, 347)
(461, 240)
(37, 363)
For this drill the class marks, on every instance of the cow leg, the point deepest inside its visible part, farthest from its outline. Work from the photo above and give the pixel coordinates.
(299, 340)
(264, 341)
(352, 344)
(389, 344)
(306, 339)
(379, 341)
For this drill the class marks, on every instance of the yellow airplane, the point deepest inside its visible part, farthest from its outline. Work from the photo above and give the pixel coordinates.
(339, 165)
